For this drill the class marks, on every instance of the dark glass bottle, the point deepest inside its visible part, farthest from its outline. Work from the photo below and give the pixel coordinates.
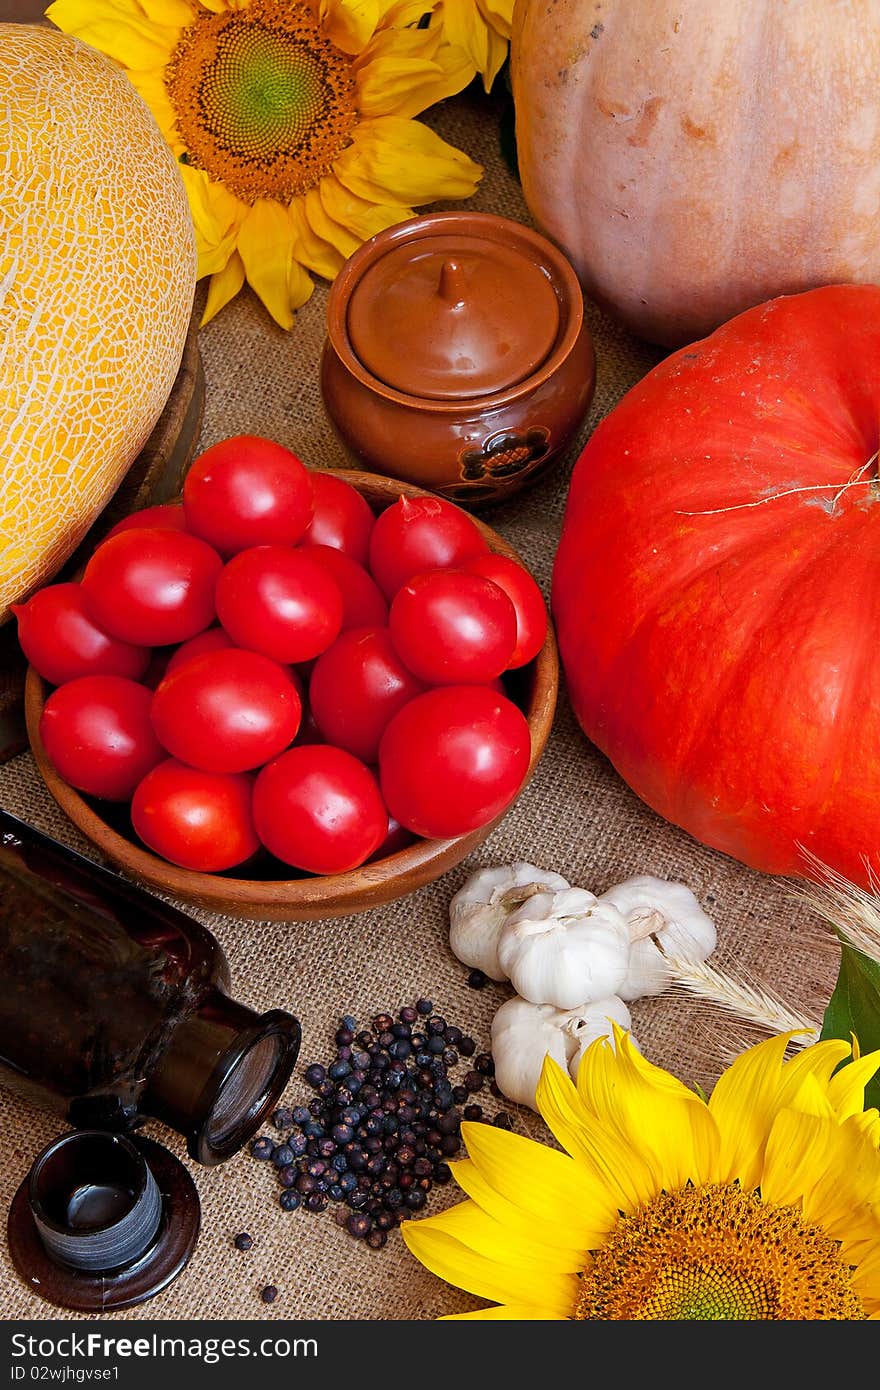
(114, 1006)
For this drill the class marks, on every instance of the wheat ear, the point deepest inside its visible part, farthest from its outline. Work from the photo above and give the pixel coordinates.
(852, 912)
(747, 1002)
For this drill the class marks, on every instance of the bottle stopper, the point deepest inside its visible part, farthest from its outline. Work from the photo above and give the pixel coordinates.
(102, 1221)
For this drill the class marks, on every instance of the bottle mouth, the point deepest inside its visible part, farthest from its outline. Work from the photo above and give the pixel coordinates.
(245, 1086)
(222, 1070)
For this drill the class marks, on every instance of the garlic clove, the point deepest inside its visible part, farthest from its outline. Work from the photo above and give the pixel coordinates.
(522, 1035)
(564, 948)
(663, 918)
(479, 909)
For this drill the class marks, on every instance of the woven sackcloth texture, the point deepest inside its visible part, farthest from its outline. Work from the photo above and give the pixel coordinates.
(576, 816)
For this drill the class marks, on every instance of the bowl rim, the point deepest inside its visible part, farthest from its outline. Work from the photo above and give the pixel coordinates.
(319, 895)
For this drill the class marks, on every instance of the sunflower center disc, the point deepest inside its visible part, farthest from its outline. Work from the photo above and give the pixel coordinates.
(716, 1252)
(264, 102)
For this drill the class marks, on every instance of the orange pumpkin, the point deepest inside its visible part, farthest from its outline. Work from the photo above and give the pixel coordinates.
(716, 590)
(694, 160)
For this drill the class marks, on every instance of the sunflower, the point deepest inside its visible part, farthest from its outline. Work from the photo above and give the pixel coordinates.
(292, 122)
(761, 1202)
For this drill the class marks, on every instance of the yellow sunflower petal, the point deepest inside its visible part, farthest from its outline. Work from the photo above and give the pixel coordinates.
(541, 1181)
(349, 23)
(836, 1180)
(300, 285)
(265, 244)
(744, 1101)
(623, 1175)
(499, 14)
(215, 234)
(474, 1227)
(401, 162)
(400, 74)
(521, 1222)
(478, 1274)
(174, 14)
(497, 48)
(404, 13)
(151, 86)
(358, 216)
(313, 251)
(326, 227)
(464, 27)
(846, 1088)
(118, 30)
(225, 285)
(507, 1312)
(650, 1111)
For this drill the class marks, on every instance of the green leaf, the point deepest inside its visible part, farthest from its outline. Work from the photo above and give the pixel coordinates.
(854, 1008)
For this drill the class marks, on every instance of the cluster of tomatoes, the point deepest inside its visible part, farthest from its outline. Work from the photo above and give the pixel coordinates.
(269, 665)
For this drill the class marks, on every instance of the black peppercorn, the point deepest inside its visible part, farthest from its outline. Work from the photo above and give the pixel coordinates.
(269, 1293)
(476, 979)
(243, 1241)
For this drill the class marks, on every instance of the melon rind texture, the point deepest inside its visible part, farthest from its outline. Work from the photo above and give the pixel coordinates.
(97, 279)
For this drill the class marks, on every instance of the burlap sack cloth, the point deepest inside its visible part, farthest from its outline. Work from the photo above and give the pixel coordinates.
(576, 817)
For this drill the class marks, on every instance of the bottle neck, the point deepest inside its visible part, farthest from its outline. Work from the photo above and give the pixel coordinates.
(222, 1070)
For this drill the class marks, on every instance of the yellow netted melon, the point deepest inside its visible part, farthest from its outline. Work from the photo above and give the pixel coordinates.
(97, 277)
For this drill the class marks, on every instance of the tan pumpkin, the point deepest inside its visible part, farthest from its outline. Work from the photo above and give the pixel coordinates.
(693, 159)
(97, 277)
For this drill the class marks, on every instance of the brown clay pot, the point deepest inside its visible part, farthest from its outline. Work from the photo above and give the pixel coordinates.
(457, 356)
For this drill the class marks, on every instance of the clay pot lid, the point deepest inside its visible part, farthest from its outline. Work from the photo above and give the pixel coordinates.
(453, 316)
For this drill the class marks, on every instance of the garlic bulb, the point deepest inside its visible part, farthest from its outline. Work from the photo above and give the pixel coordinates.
(480, 908)
(663, 919)
(524, 1033)
(564, 948)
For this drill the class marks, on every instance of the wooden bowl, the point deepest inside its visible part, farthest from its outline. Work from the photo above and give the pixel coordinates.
(534, 687)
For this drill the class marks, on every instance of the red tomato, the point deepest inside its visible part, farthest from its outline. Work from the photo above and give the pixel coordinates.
(279, 602)
(341, 518)
(453, 759)
(199, 820)
(247, 491)
(152, 587)
(363, 603)
(97, 733)
(418, 534)
(61, 642)
(526, 597)
(452, 628)
(226, 711)
(319, 809)
(166, 516)
(214, 639)
(396, 839)
(308, 731)
(356, 687)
